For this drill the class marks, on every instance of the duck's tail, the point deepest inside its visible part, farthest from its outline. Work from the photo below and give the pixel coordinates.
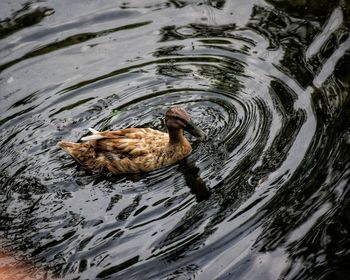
(69, 147)
(79, 151)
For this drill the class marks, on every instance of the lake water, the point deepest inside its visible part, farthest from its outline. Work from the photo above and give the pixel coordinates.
(266, 197)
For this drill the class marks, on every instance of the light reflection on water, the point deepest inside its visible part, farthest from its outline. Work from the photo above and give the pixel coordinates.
(264, 198)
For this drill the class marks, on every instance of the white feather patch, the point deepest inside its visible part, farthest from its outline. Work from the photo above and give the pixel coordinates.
(95, 135)
(93, 131)
(92, 137)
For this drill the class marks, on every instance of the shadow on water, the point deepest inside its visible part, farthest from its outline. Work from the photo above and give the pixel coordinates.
(196, 184)
(266, 197)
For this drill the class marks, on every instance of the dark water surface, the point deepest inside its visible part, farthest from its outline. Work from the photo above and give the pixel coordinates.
(266, 197)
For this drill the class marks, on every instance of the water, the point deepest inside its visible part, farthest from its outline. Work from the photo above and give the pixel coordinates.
(266, 197)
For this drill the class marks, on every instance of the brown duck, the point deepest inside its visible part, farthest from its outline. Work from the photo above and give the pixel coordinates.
(134, 150)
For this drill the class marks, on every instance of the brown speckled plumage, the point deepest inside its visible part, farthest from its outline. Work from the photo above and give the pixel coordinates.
(134, 150)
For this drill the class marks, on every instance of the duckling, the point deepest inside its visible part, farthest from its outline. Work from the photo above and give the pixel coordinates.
(135, 150)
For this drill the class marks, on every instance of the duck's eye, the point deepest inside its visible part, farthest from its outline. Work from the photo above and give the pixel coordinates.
(181, 122)
(175, 122)
(179, 118)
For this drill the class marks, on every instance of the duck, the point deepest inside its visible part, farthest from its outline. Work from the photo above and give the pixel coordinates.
(136, 150)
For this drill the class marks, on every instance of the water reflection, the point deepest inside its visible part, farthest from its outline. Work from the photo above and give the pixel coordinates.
(193, 180)
(23, 18)
(265, 197)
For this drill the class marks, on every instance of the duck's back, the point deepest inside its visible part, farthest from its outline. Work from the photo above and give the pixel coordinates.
(130, 150)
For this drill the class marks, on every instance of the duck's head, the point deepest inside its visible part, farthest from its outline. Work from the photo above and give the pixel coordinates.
(176, 118)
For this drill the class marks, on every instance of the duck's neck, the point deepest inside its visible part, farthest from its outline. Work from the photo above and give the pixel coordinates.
(176, 136)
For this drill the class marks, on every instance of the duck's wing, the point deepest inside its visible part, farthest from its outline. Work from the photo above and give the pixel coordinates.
(130, 141)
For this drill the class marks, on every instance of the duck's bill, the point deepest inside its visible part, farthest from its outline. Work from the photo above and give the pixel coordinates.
(196, 131)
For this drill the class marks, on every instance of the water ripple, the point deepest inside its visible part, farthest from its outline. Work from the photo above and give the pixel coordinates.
(264, 197)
